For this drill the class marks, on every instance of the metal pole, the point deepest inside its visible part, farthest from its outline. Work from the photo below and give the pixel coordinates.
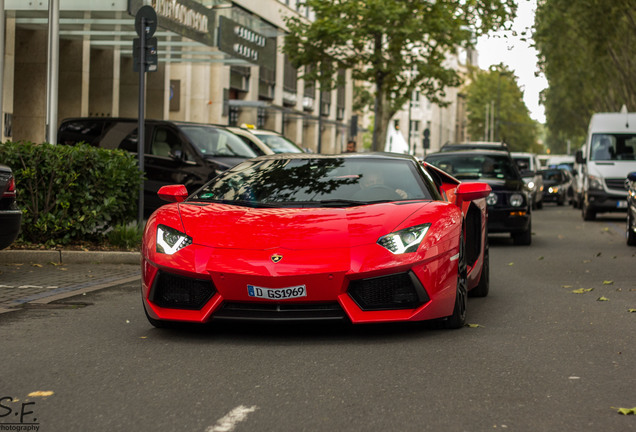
(140, 124)
(411, 151)
(486, 122)
(2, 30)
(53, 67)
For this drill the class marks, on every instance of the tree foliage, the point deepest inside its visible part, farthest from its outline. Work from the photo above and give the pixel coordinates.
(588, 54)
(498, 90)
(397, 45)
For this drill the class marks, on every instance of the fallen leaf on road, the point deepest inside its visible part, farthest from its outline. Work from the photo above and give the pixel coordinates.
(631, 310)
(540, 258)
(607, 282)
(602, 299)
(40, 394)
(566, 286)
(587, 261)
(36, 265)
(582, 290)
(598, 254)
(473, 325)
(626, 411)
(511, 263)
(54, 263)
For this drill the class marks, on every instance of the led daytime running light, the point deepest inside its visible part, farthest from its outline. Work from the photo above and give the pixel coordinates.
(404, 241)
(170, 240)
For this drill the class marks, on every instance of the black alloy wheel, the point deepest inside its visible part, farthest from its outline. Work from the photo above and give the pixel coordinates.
(458, 318)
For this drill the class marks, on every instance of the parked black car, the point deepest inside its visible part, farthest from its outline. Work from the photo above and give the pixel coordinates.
(175, 152)
(557, 185)
(10, 214)
(509, 206)
(631, 208)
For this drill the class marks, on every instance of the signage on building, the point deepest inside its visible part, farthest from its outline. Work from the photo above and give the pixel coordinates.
(240, 41)
(187, 18)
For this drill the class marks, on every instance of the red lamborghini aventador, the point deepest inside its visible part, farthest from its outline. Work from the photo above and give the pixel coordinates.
(361, 237)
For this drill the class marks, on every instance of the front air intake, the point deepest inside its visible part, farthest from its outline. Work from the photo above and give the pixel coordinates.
(398, 291)
(180, 292)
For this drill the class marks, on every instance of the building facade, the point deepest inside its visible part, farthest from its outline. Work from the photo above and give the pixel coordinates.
(217, 61)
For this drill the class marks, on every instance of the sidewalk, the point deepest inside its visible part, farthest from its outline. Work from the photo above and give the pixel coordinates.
(42, 277)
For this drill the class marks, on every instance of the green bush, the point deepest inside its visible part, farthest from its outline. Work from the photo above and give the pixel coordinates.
(71, 193)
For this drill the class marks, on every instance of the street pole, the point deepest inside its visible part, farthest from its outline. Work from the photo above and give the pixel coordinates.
(53, 66)
(140, 125)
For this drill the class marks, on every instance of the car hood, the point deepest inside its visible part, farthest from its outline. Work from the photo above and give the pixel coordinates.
(225, 162)
(553, 183)
(226, 226)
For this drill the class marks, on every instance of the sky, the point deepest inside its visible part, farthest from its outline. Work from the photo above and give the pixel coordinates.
(518, 55)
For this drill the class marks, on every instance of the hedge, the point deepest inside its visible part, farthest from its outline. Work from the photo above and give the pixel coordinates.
(71, 193)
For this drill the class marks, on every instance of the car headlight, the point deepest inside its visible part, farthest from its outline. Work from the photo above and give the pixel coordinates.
(531, 185)
(406, 240)
(553, 189)
(594, 183)
(170, 240)
(516, 200)
(491, 199)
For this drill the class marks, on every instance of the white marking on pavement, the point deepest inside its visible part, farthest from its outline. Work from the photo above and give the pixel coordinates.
(35, 286)
(231, 419)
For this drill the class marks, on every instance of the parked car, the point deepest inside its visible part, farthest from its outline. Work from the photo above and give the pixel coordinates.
(556, 184)
(262, 140)
(631, 208)
(474, 145)
(528, 164)
(285, 237)
(175, 152)
(509, 205)
(10, 214)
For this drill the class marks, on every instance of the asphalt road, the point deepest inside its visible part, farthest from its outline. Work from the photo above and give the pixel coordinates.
(538, 357)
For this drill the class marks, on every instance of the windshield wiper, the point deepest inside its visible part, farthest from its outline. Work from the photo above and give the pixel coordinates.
(240, 203)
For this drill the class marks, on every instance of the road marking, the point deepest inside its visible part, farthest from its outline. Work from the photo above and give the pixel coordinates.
(231, 419)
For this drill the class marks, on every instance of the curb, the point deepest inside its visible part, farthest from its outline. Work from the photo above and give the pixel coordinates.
(67, 257)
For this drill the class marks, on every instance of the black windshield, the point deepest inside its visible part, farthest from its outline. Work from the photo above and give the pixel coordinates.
(317, 182)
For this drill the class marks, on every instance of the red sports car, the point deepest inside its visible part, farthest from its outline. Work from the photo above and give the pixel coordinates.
(362, 237)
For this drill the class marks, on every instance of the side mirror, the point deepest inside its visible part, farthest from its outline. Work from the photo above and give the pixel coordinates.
(472, 191)
(631, 176)
(579, 157)
(173, 193)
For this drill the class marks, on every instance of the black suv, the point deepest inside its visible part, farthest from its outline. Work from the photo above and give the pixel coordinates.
(10, 214)
(175, 152)
(508, 204)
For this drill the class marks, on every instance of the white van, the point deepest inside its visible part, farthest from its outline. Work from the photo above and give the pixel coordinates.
(610, 147)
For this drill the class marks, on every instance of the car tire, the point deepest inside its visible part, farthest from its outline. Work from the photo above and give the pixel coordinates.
(482, 288)
(631, 235)
(523, 238)
(587, 213)
(458, 318)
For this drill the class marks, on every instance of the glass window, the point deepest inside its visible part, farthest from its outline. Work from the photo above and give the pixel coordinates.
(278, 143)
(613, 147)
(320, 182)
(464, 166)
(211, 141)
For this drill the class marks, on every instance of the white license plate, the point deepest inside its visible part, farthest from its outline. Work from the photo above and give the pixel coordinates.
(277, 293)
(621, 204)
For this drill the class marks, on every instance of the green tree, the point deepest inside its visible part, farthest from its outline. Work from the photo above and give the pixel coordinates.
(588, 54)
(397, 45)
(497, 90)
